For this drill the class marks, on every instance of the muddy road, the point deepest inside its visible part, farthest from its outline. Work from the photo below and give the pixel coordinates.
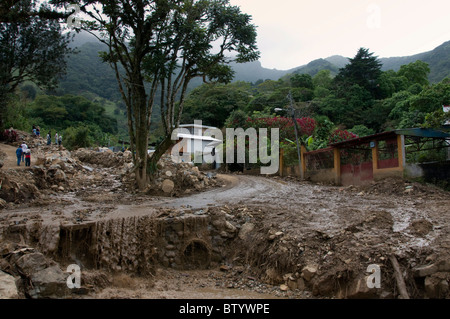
(336, 229)
(222, 235)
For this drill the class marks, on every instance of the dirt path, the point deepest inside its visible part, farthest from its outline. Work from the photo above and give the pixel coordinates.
(10, 158)
(239, 189)
(342, 229)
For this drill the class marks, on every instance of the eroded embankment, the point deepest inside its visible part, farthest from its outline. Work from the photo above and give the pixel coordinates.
(134, 244)
(326, 264)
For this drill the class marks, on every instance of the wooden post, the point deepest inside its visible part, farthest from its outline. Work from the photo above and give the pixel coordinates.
(375, 159)
(401, 151)
(303, 151)
(337, 166)
(281, 162)
(399, 278)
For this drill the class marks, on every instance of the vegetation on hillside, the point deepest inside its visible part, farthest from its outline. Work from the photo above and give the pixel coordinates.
(75, 92)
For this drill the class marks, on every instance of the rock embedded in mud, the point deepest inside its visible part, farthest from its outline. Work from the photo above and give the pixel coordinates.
(273, 277)
(436, 286)
(284, 287)
(31, 263)
(358, 289)
(245, 230)
(8, 288)
(421, 227)
(230, 227)
(59, 175)
(167, 186)
(48, 283)
(308, 272)
(224, 268)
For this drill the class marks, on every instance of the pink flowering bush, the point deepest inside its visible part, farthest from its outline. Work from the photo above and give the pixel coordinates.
(305, 126)
(340, 135)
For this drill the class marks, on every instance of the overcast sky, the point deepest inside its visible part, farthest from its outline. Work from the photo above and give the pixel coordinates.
(294, 32)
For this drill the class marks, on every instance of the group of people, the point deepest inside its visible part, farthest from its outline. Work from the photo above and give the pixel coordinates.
(23, 154)
(58, 138)
(36, 131)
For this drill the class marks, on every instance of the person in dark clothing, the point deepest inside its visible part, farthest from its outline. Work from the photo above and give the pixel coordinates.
(19, 155)
(28, 158)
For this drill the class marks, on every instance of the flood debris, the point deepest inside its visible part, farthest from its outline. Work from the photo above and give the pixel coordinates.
(191, 231)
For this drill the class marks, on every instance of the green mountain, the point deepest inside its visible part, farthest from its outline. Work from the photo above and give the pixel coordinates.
(438, 60)
(313, 67)
(87, 75)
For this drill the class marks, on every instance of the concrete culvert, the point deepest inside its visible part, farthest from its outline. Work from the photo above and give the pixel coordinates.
(196, 255)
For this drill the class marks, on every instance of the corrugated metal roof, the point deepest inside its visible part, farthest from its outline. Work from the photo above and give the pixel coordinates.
(364, 139)
(422, 132)
(419, 132)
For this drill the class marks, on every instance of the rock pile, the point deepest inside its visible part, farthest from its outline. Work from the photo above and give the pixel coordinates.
(173, 178)
(53, 169)
(435, 276)
(103, 156)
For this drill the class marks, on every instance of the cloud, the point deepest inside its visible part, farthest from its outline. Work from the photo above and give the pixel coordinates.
(293, 32)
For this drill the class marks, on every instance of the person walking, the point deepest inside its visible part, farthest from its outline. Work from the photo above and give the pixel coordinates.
(60, 140)
(28, 157)
(24, 147)
(56, 138)
(19, 155)
(49, 138)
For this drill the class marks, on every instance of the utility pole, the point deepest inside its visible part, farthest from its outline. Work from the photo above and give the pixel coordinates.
(292, 109)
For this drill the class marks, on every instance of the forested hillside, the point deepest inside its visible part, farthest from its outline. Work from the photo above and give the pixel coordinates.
(87, 73)
(401, 94)
(361, 99)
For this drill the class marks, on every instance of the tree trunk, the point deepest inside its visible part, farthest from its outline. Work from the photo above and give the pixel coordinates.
(141, 158)
(160, 150)
(141, 130)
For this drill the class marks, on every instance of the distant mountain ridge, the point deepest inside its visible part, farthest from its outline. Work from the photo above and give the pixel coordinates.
(87, 74)
(438, 60)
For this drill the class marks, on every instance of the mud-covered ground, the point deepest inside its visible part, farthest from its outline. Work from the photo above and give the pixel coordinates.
(291, 238)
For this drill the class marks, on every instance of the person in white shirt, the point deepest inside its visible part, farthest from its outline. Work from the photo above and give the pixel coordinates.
(24, 147)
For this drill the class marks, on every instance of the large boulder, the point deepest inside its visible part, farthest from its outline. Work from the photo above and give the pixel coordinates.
(41, 278)
(59, 175)
(8, 288)
(50, 282)
(31, 263)
(167, 186)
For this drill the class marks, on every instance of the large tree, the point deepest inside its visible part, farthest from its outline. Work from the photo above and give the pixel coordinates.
(415, 72)
(32, 47)
(364, 69)
(161, 46)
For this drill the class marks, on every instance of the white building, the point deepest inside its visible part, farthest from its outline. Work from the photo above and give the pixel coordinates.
(197, 141)
(446, 108)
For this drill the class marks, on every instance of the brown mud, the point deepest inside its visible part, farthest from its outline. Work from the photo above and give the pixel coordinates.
(221, 235)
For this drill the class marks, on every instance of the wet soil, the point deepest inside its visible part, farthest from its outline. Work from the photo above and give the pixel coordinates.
(339, 231)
